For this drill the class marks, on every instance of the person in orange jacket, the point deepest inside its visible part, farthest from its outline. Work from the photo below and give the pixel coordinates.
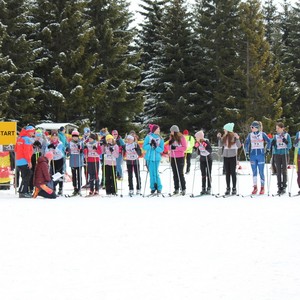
(24, 150)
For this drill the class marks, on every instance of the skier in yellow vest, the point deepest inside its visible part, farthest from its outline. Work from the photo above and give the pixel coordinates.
(190, 140)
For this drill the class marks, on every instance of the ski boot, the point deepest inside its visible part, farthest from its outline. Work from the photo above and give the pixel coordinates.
(254, 190)
(262, 190)
(233, 192)
(227, 192)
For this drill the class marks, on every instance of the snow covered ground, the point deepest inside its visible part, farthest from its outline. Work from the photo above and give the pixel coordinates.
(152, 248)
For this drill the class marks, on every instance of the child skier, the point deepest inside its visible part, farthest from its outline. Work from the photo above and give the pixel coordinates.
(231, 142)
(281, 144)
(254, 145)
(75, 150)
(204, 148)
(92, 151)
(57, 165)
(154, 146)
(110, 152)
(119, 141)
(177, 147)
(133, 151)
(189, 150)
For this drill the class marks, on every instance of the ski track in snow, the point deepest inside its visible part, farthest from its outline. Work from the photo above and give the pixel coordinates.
(152, 248)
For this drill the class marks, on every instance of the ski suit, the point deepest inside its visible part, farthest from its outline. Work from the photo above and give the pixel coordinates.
(254, 145)
(153, 157)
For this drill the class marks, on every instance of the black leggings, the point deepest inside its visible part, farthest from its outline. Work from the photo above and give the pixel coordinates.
(230, 170)
(178, 172)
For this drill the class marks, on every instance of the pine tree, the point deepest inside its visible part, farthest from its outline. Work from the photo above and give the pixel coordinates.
(259, 73)
(66, 65)
(217, 26)
(290, 64)
(20, 52)
(115, 101)
(173, 67)
(5, 88)
(149, 40)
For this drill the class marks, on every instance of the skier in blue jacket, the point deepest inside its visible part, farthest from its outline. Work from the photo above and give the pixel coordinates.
(154, 146)
(255, 145)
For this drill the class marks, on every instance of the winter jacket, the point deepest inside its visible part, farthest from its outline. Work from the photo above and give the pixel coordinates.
(180, 147)
(153, 153)
(133, 151)
(24, 148)
(42, 173)
(75, 149)
(281, 143)
(190, 143)
(204, 149)
(110, 157)
(91, 154)
(255, 143)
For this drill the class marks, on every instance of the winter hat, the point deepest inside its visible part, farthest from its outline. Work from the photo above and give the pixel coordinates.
(54, 133)
(93, 136)
(49, 155)
(62, 128)
(114, 132)
(153, 127)
(255, 124)
(103, 131)
(39, 133)
(86, 130)
(199, 135)
(75, 132)
(174, 128)
(132, 132)
(185, 132)
(130, 137)
(229, 127)
(109, 137)
(30, 129)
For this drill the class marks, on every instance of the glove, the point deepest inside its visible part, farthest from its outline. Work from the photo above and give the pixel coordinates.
(173, 147)
(102, 142)
(85, 147)
(153, 143)
(247, 156)
(78, 146)
(94, 147)
(111, 149)
(37, 144)
(285, 140)
(51, 146)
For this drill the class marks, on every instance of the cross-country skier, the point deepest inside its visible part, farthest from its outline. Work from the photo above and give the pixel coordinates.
(177, 147)
(255, 145)
(154, 146)
(281, 144)
(205, 150)
(231, 142)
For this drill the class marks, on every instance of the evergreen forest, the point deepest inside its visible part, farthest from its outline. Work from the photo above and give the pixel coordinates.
(197, 66)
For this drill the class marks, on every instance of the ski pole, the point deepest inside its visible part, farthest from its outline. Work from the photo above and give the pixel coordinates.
(209, 174)
(177, 171)
(146, 180)
(192, 195)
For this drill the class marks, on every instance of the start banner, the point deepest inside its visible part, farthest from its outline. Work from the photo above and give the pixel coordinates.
(8, 133)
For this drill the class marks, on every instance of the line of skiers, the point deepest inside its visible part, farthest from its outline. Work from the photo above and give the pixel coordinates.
(88, 154)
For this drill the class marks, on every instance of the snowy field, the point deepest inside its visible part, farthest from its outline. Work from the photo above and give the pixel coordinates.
(236, 248)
